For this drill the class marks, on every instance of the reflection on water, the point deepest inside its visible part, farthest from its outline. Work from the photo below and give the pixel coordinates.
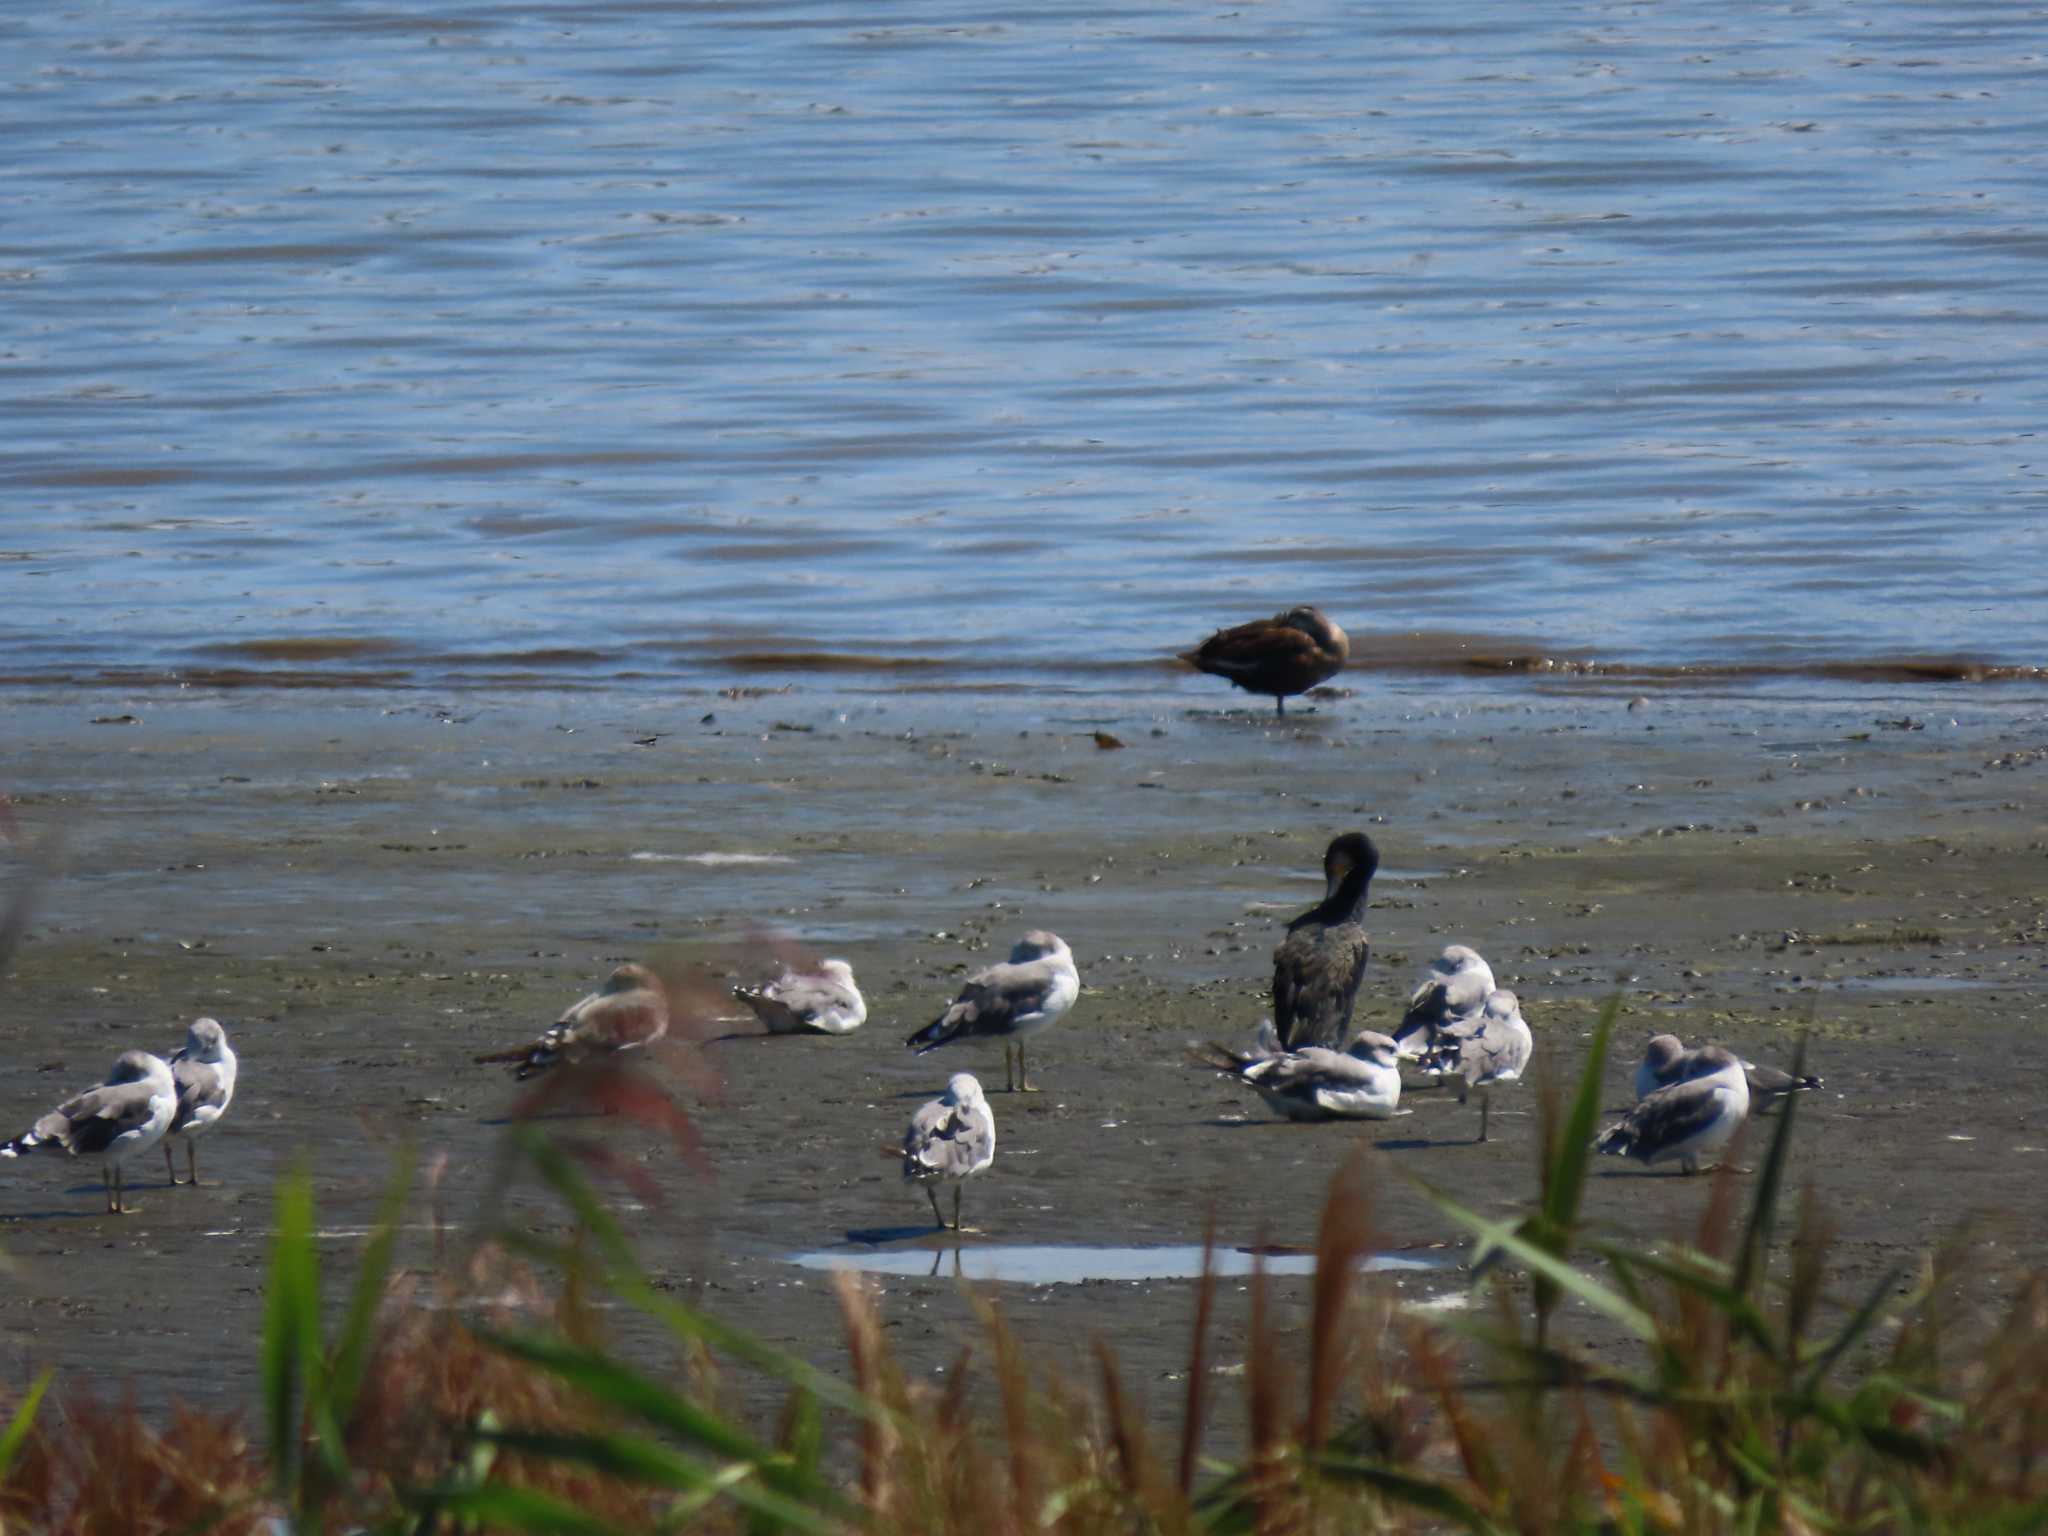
(512, 346)
(1066, 1264)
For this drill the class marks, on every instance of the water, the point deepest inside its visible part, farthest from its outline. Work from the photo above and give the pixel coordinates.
(646, 344)
(1077, 1264)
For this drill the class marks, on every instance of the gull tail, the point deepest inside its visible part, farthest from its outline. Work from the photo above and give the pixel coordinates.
(936, 1033)
(1220, 1058)
(1617, 1140)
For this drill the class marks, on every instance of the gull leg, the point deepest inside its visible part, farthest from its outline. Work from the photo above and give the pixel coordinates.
(956, 1210)
(1485, 1104)
(1280, 705)
(936, 1216)
(192, 1160)
(1023, 1074)
(107, 1183)
(170, 1168)
(1009, 1078)
(120, 1204)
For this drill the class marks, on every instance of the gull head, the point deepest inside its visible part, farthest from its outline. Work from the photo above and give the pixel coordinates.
(1038, 945)
(205, 1039)
(963, 1091)
(631, 978)
(1662, 1053)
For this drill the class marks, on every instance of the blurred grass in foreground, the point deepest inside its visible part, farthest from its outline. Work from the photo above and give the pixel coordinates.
(483, 1396)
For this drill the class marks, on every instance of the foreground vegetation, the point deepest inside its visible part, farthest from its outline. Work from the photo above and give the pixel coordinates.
(1757, 1400)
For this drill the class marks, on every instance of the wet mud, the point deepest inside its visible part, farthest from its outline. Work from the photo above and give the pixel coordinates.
(369, 897)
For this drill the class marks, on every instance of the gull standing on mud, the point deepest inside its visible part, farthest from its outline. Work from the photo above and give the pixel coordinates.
(953, 1137)
(1691, 1117)
(1492, 1047)
(629, 1010)
(1454, 989)
(1289, 653)
(820, 1002)
(127, 1114)
(1033, 988)
(204, 1071)
(1667, 1061)
(1360, 1083)
(1318, 966)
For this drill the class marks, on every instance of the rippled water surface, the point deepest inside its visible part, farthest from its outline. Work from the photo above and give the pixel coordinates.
(637, 341)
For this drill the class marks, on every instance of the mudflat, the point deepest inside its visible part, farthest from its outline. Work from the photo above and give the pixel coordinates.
(369, 892)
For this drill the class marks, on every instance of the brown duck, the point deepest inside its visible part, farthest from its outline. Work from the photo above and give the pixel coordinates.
(1289, 653)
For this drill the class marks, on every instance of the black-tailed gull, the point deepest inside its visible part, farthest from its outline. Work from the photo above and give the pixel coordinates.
(1318, 966)
(1033, 988)
(1667, 1061)
(127, 1114)
(204, 1070)
(1362, 1082)
(629, 1010)
(951, 1138)
(1687, 1119)
(1454, 988)
(1492, 1047)
(820, 1002)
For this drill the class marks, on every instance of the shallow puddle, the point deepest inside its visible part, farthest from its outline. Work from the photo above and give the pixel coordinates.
(1071, 1264)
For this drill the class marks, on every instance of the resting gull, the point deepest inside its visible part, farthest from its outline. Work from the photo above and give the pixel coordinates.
(1318, 966)
(952, 1137)
(1455, 988)
(1667, 1061)
(1493, 1046)
(1289, 653)
(1360, 1083)
(1032, 989)
(630, 1009)
(126, 1114)
(1690, 1117)
(204, 1070)
(820, 1002)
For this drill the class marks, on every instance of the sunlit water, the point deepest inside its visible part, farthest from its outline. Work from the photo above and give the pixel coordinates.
(644, 343)
(1074, 1264)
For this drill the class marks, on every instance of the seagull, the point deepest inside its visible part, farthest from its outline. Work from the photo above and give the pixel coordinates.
(1317, 967)
(1361, 1083)
(126, 1114)
(952, 1137)
(1493, 1046)
(1455, 988)
(820, 1002)
(1032, 989)
(630, 1009)
(204, 1070)
(1667, 1061)
(1689, 1117)
(1288, 653)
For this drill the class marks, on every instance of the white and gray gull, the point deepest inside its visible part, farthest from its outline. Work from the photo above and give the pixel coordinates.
(1452, 991)
(1666, 1061)
(629, 1010)
(1032, 989)
(1687, 1119)
(126, 1114)
(950, 1139)
(1493, 1046)
(204, 1071)
(824, 1001)
(1360, 1083)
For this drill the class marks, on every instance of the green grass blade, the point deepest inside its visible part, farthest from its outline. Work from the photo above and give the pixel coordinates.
(291, 1330)
(642, 1461)
(1705, 1279)
(23, 1421)
(1540, 1261)
(1406, 1488)
(1763, 1214)
(1858, 1325)
(501, 1507)
(1566, 1186)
